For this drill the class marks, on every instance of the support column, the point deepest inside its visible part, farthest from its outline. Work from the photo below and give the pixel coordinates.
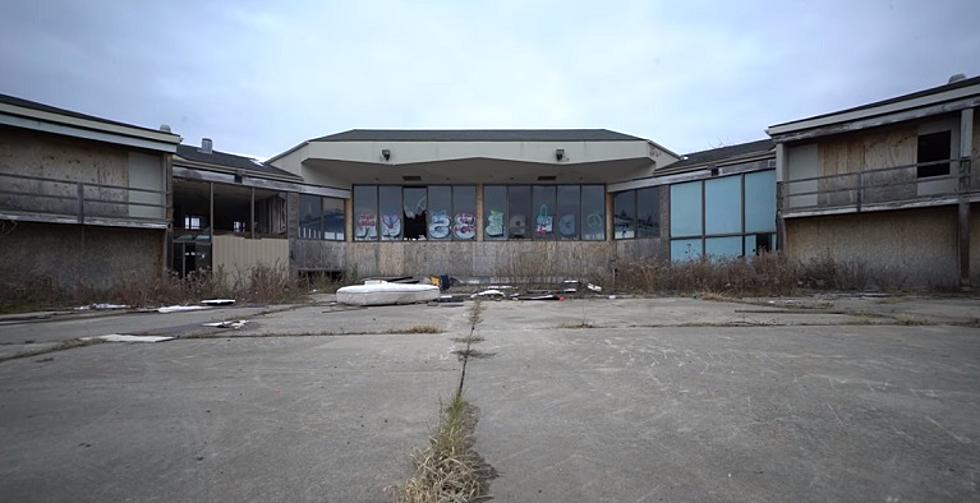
(479, 212)
(210, 226)
(963, 236)
(780, 196)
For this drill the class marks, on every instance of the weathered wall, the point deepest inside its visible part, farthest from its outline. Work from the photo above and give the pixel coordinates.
(975, 245)
(236, 255)
(916, 247)
(64, 256)
(74, 160)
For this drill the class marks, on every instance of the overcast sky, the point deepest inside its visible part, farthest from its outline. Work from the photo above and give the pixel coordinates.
(261, 77)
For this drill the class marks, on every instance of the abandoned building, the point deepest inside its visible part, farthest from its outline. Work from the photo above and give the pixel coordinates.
(83, 201)
(889, 185)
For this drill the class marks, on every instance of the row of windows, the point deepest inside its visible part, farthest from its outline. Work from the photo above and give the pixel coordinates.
(444, 212)
(723, 217)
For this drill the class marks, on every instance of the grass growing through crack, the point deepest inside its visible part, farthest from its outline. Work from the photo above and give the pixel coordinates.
(450, 470)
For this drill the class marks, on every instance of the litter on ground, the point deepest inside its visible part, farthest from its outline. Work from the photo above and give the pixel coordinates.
(101, 307)
(177, 309)
(235, 324)
(492, 294)
(128, 338)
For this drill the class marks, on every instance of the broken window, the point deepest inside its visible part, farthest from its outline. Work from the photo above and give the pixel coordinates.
(270, 213)
(464, 212)
(365, 213)
(391, 212)
(594, 212)
(932, 148)
(543, 199)
(648, 212)
(519, 210)
(624, 215)
(232, 209)
(569, 211)
(494, 212)
(415, 204)
(440, 209)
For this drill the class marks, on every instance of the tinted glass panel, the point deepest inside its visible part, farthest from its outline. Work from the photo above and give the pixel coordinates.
(365, 212)
(495, 212)
(685, 210)
(391, 212)
(723, 205)
(648, 212)
(593, 212)
(569, 211)
(309, 217)
(683, 250)
(333, 219)
(464, 212)
(440, 209)
(624, 215)
(760, 202)
(415, 201)
(519, 206)
(544, 211)
(720, 248)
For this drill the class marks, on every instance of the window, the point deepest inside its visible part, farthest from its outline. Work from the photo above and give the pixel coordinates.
(494, 212)
(685, 209)
(415, 204)
(321, 218)
(648, 212)
(569, 208)
(723, 206)
(192, 222)
(738, 216)
(333, 218)
(464, 213)
(365, 213)
(544, 211)
(519, 209)
(391, 212)
(624, 215)
(760, 202)
(932, 148)
(440, 208)
(593, 212)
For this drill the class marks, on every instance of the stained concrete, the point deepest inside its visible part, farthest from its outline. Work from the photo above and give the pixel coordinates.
(826, 410)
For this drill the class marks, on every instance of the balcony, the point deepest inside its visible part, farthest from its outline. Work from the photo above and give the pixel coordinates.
(914, 185)
(39, 199)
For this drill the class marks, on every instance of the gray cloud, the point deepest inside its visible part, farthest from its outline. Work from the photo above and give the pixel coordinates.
(260, 77)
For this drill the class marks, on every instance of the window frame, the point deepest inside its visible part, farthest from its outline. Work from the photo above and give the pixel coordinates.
(320, 218)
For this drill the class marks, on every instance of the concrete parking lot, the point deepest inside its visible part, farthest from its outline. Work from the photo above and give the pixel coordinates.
(847, 398)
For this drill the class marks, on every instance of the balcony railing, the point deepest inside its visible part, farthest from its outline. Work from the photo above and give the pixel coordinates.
(35, 198)
(921, 184)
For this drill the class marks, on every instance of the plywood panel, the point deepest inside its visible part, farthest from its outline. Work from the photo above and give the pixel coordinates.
(236, 255)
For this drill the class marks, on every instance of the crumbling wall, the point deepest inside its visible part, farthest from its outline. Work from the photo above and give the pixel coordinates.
(915, 247)
(64, 257)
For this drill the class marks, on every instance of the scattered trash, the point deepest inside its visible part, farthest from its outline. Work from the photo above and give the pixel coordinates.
(218, 302)
(128, 338)
(488, 294)
(594, 288)
(235, 324)
(177, 309)
(547, 296)
(569, 286)
(378, 293)
(447, 298)
(612, 297)
(101, 307)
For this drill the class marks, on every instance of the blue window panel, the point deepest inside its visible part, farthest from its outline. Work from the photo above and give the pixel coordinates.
(685, 250)
(760, 202)
(749, 250)
(723, 205)
(722, 248)
(685, 209)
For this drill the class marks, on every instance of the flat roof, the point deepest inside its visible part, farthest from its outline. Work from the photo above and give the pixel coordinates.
(476, 135)
(34, 105)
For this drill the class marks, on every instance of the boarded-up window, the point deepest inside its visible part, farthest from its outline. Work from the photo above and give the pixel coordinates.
(932, 148)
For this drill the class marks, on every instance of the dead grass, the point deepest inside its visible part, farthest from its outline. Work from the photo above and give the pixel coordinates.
(421, 329)
(582, 324)
(449, 470)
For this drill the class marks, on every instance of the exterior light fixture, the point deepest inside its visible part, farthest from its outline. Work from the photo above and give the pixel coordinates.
(559, 154)
(386, 154)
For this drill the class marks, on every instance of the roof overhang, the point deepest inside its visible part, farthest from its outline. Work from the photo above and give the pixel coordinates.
(187, 163)
(259, 182)
(873, 116)
(66, 125)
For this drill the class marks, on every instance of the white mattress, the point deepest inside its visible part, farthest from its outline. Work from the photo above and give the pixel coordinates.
(383, 293)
